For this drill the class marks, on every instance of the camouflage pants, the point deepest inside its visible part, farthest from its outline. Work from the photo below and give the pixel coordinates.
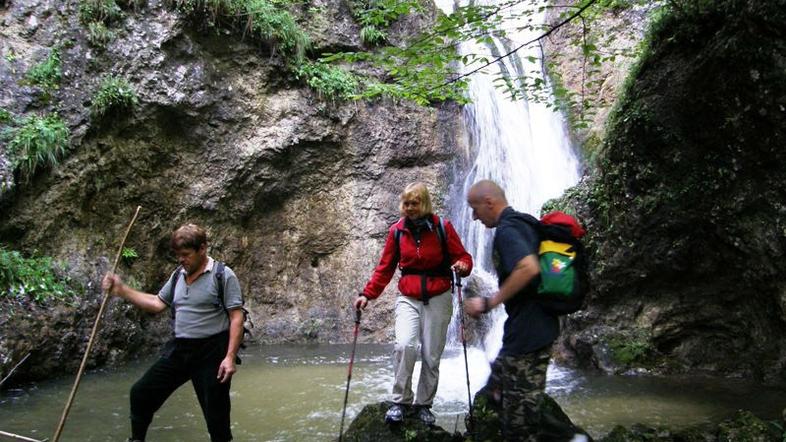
(520, 381)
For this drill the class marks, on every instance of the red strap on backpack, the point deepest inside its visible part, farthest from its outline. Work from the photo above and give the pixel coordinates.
(563, 219)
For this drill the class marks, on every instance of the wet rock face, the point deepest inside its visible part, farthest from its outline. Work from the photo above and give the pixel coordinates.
(615, 32)
(686, 216)
(297, 193)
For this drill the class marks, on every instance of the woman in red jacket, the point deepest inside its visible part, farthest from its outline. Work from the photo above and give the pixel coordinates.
(425, 248)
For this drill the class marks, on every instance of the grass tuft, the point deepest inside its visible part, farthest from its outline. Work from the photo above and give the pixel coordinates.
(37, 142)
(114, 96)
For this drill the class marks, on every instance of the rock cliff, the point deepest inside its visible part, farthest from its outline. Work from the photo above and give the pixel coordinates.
(297, 192)
(685, 210)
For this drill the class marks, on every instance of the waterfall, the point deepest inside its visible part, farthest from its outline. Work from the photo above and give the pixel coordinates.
(524, 147)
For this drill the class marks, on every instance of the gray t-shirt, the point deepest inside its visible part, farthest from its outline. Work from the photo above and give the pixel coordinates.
(198, 311)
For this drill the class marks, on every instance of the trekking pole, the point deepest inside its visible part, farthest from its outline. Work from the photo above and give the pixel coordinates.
(67, 408)
(349, 374)
(457, 283)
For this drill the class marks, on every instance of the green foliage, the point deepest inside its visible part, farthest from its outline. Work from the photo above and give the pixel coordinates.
(129, 255)
(417, 72)
(46, 74)
(330, 82)
(114, 95)
(5, 116)
(370, 35)
(263, 19)
(98, 34)
(10, 55)
(97, 15)
(410, 434)
(616, 6)
(38, 142)
(36, 278)
(104, 11)
(594, 48)
(629, 348)
(747, 427)
(270, 22)
(690, 8)
(382, 13)
(429, 68)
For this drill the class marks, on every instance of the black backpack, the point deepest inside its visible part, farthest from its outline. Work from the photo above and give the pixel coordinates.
(563, 280)
(218, 274)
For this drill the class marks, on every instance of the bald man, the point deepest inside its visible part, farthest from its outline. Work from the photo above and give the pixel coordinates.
(519, 372)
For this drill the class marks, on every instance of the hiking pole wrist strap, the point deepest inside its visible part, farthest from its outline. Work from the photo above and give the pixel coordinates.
(486, 305)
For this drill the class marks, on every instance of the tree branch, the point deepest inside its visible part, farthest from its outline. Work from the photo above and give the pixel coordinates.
(516, 49)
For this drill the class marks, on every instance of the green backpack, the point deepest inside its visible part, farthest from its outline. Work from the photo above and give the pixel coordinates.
(563, 276)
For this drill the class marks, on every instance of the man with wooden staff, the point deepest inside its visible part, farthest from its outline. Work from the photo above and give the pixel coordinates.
(206, 304)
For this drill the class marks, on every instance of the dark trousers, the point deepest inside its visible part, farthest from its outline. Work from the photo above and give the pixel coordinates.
(196, 360)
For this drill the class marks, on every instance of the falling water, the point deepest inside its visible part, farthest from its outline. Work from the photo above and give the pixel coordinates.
(523, 146)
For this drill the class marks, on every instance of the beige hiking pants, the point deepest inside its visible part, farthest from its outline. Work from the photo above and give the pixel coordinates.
(427, 324)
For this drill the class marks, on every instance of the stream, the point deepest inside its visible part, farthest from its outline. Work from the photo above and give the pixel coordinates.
(296, 392)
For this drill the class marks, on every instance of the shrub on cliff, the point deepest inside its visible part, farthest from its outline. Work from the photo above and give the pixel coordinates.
(104, 11)
(114, 95)
(46, 74)
(330, 82)
(38, 142)
(264, 19)
(36, 278)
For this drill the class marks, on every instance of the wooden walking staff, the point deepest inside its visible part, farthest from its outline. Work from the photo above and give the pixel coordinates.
(67, 408)
(18, 437)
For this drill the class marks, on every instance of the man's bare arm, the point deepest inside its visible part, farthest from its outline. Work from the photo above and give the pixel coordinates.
(145, 301)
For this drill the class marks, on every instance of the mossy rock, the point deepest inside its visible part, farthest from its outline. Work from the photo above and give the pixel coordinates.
(370, 426)
(643, 433)
(745, 427)
(554, 424)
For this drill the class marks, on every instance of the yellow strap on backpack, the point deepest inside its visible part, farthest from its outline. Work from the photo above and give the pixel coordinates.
(562, 248)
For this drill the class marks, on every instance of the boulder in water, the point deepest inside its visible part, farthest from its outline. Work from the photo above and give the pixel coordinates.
(743, 427)
(369, 426)
(554, 424)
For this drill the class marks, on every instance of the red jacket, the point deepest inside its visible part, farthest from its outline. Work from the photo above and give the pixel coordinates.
(428, 255)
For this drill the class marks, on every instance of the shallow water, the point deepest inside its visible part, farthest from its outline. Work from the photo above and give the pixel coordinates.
(295, 393)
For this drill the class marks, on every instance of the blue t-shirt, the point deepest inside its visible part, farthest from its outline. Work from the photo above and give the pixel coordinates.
(528, 327)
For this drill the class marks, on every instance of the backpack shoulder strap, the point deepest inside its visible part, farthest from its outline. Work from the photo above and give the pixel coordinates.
(218, 274)
(172, 285)
(397, 237)
(440, 224)
(443, 240)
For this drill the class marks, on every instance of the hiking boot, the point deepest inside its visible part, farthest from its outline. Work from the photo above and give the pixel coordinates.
(395, 414)
(425, 415)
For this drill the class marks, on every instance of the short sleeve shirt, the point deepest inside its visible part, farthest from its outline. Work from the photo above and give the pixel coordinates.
(528, 327)
(198, 311)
